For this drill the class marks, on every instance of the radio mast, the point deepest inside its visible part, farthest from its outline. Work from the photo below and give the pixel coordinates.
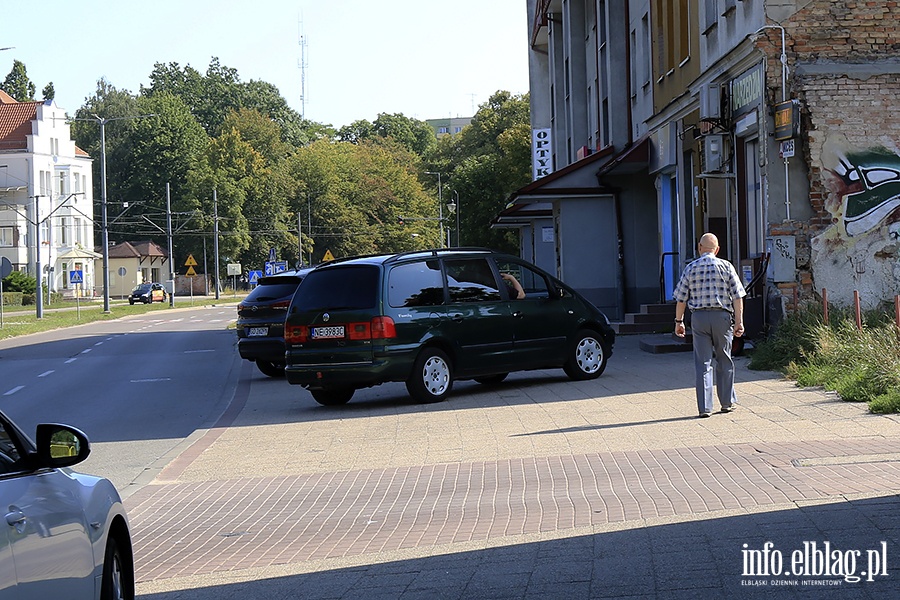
(302, 64)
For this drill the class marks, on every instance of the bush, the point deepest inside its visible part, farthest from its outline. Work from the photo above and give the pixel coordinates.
(861, 365)
(12, 298)
(17, 281)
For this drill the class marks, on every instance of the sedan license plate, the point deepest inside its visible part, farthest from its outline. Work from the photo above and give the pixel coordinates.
(324, 333)
(258, 331)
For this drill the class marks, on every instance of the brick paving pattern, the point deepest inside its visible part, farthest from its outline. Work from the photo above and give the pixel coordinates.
(539, 488)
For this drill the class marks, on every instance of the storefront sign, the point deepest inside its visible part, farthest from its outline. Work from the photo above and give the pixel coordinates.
(541, 153)
(787, 120)
(746, 91)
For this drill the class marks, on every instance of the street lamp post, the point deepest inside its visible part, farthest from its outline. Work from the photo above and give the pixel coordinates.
(440, 203)
(103, 212)
(454, 207)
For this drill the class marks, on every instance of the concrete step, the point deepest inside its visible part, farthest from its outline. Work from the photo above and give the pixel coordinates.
(666, 343)
(654, 327)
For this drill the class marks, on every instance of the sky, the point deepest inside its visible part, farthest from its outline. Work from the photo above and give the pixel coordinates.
(426, 59)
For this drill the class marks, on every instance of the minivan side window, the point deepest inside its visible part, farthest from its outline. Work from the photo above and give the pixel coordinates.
(471, 280)
(533, 283)
(416, 284)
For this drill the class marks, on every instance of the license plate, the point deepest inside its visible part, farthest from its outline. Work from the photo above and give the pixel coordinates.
(258, 331)
(324, 333)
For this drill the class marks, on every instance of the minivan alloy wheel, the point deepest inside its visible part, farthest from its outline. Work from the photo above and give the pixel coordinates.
(432, 376)
(587, 359)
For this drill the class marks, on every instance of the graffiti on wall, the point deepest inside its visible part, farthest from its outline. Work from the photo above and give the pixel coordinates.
(872, 182)
(861, 250)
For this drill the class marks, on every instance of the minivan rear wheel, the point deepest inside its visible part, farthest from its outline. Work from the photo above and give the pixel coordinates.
(432, 377)
(332, 396)
(587, 356)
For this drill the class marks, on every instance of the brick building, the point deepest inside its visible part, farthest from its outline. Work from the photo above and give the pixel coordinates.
(771, 123)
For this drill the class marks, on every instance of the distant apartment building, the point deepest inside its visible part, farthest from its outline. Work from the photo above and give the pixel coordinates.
(771, 123)
(449, 126)
(46, 199)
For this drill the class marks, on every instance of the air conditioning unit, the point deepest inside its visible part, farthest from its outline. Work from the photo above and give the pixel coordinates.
(710, 102)
(713, 152)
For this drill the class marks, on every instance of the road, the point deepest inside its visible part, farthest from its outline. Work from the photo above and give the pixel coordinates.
(140, 387)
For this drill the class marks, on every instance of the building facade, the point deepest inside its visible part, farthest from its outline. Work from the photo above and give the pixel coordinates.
(46, 202)
(768, 122)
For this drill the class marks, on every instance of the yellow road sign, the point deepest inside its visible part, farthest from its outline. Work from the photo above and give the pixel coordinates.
(191, 272)
(190, 262)
(328, 256)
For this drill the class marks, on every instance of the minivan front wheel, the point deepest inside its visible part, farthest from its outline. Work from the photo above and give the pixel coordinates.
(432, 377)
(587, 357)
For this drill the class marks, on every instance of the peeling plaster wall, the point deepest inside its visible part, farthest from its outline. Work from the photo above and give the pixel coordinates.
(855, 155)
(846, 73)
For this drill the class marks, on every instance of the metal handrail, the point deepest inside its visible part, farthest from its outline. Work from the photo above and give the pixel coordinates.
(662, 275)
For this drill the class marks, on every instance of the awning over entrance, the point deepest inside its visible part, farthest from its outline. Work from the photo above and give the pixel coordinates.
(631, 160)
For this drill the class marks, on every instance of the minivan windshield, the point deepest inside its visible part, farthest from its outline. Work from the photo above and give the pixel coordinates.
(351, 287)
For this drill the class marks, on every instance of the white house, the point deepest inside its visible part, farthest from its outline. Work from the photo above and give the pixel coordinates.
(46, 202)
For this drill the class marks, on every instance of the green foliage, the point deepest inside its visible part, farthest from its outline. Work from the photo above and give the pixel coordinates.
(355, 194)
(17, 84)
(17, 281)
(484, 164)
(414, 135)
(48, 93)
(12, 298)
(861, 365)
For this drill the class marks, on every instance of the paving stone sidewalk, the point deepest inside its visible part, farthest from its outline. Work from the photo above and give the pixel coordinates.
(539, 488)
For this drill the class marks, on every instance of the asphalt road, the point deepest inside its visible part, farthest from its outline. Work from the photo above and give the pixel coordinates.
(140, 386)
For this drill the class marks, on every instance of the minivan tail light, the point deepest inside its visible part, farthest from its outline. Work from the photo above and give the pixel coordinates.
(379, 328)
(296, 334)
(383, 328)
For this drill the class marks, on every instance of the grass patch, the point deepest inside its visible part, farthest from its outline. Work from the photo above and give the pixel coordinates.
(22, 321)
(861, 365)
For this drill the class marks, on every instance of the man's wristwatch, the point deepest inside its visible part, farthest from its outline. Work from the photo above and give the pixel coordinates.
(679, 321)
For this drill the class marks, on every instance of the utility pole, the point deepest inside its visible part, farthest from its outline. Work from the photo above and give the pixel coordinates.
(440, 204)
(104, 222)
(216, 241)
(169, 238)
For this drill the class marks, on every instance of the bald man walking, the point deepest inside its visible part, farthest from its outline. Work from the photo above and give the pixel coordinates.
(711, 288)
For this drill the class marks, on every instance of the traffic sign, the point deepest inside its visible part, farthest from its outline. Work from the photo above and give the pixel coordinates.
(76, 277)
(191, 272)
(190, 262)
(254, 276)
(328, 256)
(272, 255)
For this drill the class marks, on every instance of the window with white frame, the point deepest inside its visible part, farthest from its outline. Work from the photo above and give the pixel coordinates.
(64, 231)
(6, 237)
(63, 183)
(79, 231)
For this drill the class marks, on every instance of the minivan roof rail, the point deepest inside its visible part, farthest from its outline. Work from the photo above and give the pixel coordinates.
(436, 252)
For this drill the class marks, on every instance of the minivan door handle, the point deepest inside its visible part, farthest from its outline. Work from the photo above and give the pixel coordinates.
(456, 318)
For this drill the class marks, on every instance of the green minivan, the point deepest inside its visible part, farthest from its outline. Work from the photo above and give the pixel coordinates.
(429, 318)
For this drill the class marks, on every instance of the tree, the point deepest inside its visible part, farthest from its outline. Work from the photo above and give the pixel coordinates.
(414, 135)
(48, 92)
(17, 83)
(484, 164)
(211, 96)
(356, 194)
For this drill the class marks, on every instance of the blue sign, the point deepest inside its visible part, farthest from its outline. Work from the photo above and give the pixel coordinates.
(271, 254)
(273, 267)
(76, 277)
(254, 277)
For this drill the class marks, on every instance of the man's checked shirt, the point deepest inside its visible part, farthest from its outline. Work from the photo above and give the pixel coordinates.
(709, 283)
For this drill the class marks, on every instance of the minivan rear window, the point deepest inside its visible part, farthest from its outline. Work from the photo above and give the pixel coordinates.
(353, 287)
